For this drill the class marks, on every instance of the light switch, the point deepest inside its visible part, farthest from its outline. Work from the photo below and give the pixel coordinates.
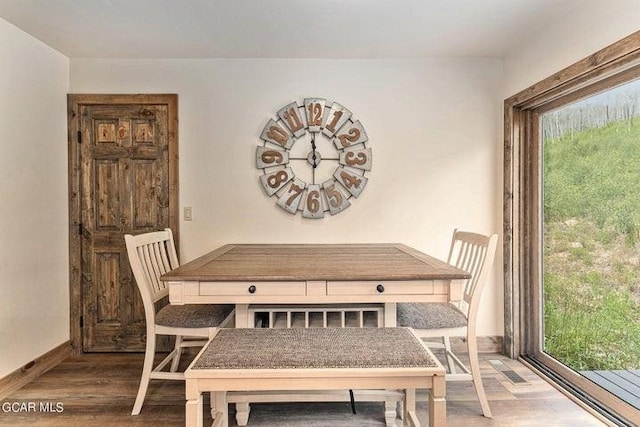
(188, 213)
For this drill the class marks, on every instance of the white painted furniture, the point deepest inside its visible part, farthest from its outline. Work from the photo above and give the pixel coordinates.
(316, 315)
(151, 255)
(314, 274)
(474, 253)
(313, 359)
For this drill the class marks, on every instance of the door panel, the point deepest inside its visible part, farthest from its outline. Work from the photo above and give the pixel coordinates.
(124, 176)
(146, 203)
(107, 189)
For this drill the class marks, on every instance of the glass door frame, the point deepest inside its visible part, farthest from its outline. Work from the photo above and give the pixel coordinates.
(523, 217)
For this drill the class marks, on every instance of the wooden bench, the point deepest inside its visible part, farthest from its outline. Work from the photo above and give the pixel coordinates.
(365, 315)
(314, 359)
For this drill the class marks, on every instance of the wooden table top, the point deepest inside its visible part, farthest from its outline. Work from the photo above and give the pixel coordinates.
(310, 262)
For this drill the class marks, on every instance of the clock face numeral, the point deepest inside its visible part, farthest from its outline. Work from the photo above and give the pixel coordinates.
(267, 157)
(334, 119)
(276, 179)
(359, 158)
(290, 199)
(314, 109)
(347, 138)
(319, 125)
(349, 180)
(337, 199)
(313, 203)
(276, 134)
(271, 156)
(350, 134)
(291, 117)
(352, 181)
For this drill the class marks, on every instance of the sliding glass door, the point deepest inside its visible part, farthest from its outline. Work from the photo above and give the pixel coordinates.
(572, 229)
(588, 290)
(591, 234)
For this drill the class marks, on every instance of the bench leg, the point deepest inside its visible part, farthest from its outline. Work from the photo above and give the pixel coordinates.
(438, 403)
(193, 412)
(242, 413)
(243, 321)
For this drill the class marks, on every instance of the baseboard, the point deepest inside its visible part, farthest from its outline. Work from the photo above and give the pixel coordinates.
(32, 370)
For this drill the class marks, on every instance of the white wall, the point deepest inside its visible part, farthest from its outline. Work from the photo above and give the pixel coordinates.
(433, 126)
(592, 25)
(34, 296)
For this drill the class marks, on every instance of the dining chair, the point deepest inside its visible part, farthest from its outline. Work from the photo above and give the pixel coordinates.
(473, 253)
(150, 256)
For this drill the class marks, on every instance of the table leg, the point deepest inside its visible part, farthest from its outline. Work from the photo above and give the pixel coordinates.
(390, 413)
(242, 413)
(222, 409)
(212, 405)
(390, 314)
(242, 316)
(410, 417)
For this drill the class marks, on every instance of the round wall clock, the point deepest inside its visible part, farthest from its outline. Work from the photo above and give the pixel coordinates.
(314, 158)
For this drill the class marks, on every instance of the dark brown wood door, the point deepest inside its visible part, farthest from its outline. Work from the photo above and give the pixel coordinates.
(124, 187)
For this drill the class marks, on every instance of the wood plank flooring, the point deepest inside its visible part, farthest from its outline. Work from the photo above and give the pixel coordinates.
(99, 390)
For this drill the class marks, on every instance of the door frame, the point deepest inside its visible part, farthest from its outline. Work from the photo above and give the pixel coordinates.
(74, 102)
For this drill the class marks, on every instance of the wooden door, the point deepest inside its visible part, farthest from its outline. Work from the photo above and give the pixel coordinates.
(123, 167)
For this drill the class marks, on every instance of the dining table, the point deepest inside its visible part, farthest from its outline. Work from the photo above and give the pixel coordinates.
(246, 274)
(314, 275)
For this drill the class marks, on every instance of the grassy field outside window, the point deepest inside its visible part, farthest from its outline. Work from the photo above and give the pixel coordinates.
(591, 200)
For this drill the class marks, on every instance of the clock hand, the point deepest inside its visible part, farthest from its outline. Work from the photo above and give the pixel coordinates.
(313, 145)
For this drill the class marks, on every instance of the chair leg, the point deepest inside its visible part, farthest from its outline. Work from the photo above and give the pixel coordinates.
(149, 355)
(451, 364)
(475, 373)
(176, 358)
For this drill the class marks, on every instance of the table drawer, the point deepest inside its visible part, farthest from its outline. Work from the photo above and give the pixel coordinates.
(392, 287)
(253, 288)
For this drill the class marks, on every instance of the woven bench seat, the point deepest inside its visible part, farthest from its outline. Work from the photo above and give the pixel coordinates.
(314, 359)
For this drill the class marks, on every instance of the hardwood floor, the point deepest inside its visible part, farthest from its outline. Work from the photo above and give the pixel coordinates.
(99, 390)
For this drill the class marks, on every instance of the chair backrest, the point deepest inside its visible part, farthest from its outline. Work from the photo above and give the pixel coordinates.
(150, 256)
(473, 253)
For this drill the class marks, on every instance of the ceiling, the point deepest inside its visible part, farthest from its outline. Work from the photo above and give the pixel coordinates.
(284, 28)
